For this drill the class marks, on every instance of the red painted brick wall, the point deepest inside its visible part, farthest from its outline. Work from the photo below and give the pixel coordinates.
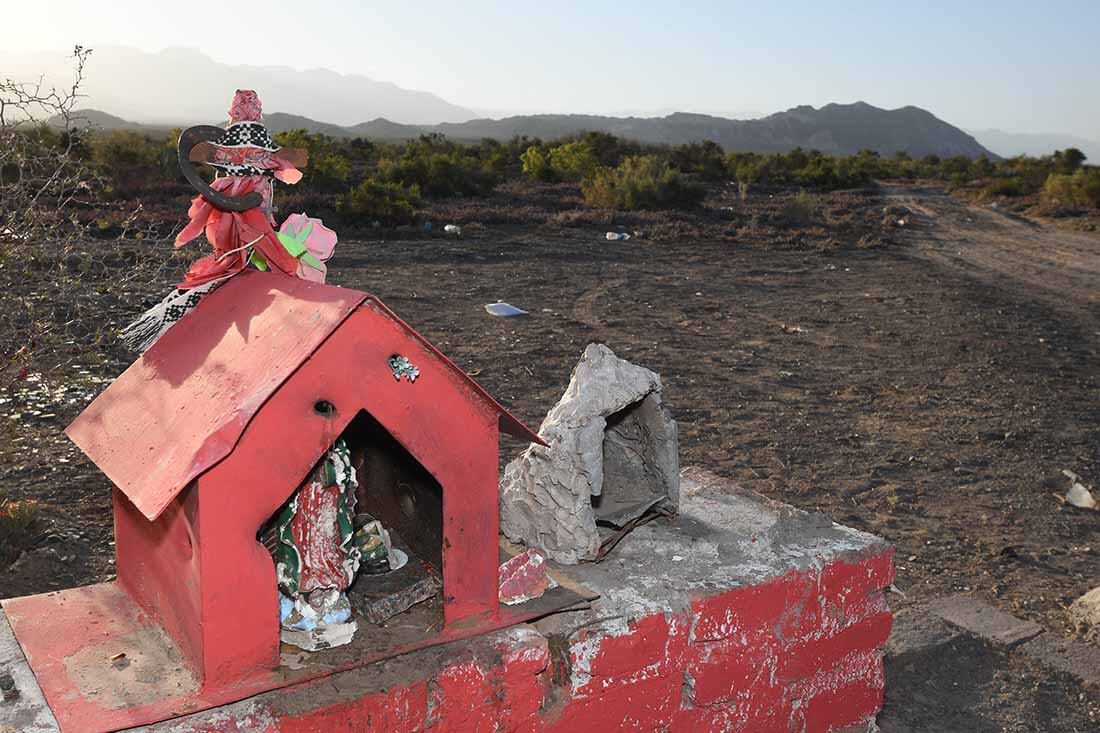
(798, 653)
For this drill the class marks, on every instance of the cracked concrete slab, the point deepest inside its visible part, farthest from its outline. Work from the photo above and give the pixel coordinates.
(985, 621)
(28, 713)
(917, 632)
(724, 537)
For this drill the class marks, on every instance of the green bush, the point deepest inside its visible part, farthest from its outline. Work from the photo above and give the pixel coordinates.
(536, 164)
(385, 202)
(1010, 186)
(1088, 183)
(439, 168)
(799, 211)
(705, 159)
(609, 149)
(1079, 189)
(640, 182)
(128, 160)
(329, 169)
(573, 161)
(1068, 160)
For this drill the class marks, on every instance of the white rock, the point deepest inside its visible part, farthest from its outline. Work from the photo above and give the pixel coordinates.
(611, 442)
(1078, 495)
(1085, 611)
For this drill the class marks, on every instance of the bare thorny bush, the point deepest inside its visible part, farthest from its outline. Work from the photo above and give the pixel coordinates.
(63, 293)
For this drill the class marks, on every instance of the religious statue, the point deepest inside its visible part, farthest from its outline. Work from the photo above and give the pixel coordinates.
(318, 552)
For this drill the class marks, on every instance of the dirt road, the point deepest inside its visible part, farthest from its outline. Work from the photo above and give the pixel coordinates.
(1061, 267)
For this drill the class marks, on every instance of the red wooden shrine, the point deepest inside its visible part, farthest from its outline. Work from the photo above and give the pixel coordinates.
(204, 438)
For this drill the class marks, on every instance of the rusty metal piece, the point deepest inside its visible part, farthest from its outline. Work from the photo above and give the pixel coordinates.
(607, 545)
(191, 137)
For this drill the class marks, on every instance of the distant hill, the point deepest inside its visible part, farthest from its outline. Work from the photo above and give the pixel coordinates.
(281, 122)
(838, 129)
(94, 118)
(184, 84)
(383, 129)
(1009, 144)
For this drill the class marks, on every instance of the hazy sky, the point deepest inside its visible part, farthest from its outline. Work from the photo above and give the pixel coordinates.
(1019, 66)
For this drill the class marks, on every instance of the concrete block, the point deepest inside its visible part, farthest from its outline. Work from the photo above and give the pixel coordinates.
(27, 713)
(803, 658)
(985, 621)
(847, 695)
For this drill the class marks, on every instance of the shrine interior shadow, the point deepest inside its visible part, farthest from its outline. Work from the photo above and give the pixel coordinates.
(405, 605)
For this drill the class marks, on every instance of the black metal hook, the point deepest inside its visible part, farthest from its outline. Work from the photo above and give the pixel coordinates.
(191, 137)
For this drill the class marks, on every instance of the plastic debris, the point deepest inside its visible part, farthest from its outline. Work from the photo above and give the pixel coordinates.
(617, 236)
(453, 229)
(1078, 495)
(504, 310)
(398, 559)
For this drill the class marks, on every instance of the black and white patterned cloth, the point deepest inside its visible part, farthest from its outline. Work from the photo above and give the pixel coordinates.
(242, 170)
(155, 322)
(247, 135)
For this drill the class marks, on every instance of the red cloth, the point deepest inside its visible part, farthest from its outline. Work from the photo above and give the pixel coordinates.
(231, 230)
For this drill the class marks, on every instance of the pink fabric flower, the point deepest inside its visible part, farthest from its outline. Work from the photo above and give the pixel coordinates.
(321, 242)
(246, 107)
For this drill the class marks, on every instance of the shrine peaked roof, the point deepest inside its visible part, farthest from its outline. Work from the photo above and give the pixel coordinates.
(181, 408)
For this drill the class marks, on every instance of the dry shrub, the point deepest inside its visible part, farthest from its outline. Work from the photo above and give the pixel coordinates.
(799, 210)
(60, 276)
(20, 528)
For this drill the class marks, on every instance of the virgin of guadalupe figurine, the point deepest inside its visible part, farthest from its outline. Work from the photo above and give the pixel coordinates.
(318, 553)
(236, 213)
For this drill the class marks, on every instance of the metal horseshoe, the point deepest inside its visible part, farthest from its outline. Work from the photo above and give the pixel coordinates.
(191, 137)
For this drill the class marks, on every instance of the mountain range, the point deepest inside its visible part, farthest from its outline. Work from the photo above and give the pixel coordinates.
(839, 129)
(178, 87)
(182, 84)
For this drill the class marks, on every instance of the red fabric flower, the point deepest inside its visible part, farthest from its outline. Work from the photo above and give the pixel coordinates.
(246, 107)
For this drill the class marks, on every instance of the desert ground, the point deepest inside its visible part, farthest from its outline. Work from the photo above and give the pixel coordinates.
(927, 382)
